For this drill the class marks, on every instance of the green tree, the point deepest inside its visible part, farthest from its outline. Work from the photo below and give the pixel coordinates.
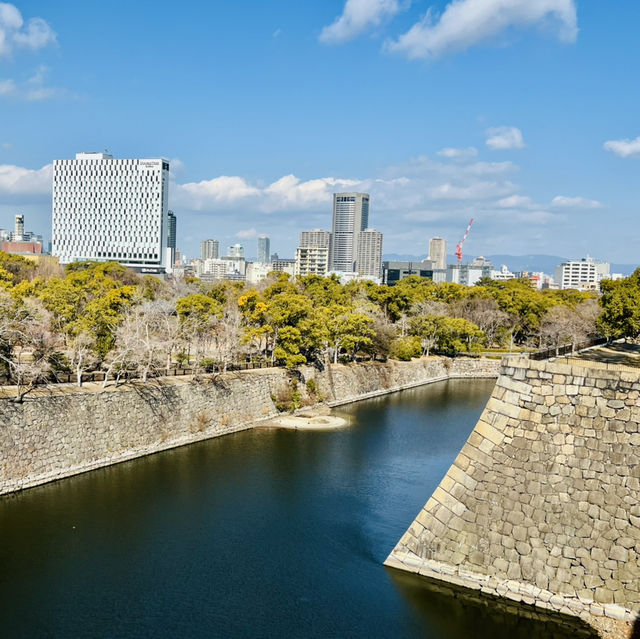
(457, 334)
(620, 303)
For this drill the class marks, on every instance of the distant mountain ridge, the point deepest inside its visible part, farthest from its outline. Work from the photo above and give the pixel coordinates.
(545, 263)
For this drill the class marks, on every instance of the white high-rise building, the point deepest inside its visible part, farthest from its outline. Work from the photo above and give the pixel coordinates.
(209, 249)
(350, 217)
(106, 209)
(438, 252)
(369, 255)
(317, 238)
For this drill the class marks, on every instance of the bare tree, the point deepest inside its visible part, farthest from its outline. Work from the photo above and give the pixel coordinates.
(142, 342)
(226, 342)
(558, 327)
(26, 342)
(80, 350)
(482, 312)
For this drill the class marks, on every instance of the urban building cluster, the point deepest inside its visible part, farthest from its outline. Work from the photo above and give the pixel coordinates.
(19, 241)
(351, 250)
(109, 209)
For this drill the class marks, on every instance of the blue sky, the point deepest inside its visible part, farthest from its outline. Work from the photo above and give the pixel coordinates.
(521, 114)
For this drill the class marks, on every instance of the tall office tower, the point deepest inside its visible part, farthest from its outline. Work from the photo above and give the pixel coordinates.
(315, 239)
(237, 250)
(438, 252)
(350, 217)
(264, 249)
(18, 233)
(369, 254)
(106, 209)
(171, 237)
(209, 249)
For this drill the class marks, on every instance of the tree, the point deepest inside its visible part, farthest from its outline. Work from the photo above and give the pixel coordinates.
(428, 330)
(457, 334)
(81, 350)
(26, 342)
(484, 312)
(620, 307)
(347, 330)
(557, 326)
(198, 315)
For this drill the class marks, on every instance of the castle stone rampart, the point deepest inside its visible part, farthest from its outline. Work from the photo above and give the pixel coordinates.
(542, 505)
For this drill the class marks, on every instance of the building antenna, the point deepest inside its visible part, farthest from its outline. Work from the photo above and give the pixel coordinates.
(462, 241)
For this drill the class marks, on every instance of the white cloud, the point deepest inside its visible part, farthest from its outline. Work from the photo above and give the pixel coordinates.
(288, 192)
(7, 87)
(465, 23)
(563, 202)
(476, 191)
(503, 138)
(291, 191)
(515, 202)
(623, 148)
(276, 33)
(247, 234)
(15, 34)
(356, 17)
(417, 199)
(15, 180)
(33, 89)
(458, 154)
(208, 193)
(177, 167)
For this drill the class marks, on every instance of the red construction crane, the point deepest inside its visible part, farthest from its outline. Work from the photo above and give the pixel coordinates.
(462, 241)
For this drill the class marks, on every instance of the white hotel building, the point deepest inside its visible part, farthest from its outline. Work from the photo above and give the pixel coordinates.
(111, 210)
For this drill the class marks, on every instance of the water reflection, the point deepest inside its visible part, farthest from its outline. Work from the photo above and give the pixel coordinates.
(457, 613)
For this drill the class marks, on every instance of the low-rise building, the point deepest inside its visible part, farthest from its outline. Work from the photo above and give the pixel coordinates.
(20, 242)
(312, 260)
(583, 275)
(469, 274)
(503, 274)
(284, 266)
(395, 271)
(256, 272)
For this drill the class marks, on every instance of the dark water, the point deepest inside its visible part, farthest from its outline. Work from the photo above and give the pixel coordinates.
(257, 534)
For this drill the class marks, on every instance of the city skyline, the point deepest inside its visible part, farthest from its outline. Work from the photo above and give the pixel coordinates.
(544, 159)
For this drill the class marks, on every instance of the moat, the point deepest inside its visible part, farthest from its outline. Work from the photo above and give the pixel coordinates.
(264, 533)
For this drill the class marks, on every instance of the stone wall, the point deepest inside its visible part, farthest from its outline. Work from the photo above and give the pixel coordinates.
(342, 384)
(542, 505)
(65, 430)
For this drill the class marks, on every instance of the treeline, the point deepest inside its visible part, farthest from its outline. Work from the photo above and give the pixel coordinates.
(102, 316)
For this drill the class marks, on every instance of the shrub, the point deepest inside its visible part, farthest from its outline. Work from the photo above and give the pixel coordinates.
(182, 359)
(208, 364)
(405, 348)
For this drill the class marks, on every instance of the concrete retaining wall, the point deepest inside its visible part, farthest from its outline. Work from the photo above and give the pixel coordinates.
(542, 505)
(63, 430)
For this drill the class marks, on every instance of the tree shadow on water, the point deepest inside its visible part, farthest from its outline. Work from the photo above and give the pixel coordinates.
(450, 612)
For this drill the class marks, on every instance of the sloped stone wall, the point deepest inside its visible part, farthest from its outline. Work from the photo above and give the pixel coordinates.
(65, 430)
(542, 505)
